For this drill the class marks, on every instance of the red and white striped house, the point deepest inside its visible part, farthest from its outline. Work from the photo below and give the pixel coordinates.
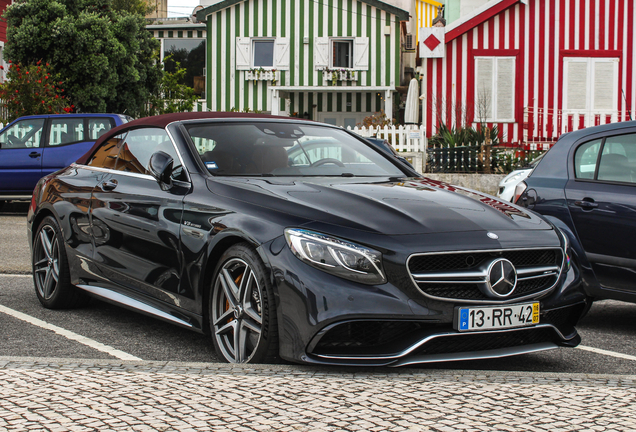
(536, 68)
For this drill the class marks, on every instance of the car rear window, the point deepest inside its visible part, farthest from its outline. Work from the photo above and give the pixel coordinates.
(585, 159)
(98, 127)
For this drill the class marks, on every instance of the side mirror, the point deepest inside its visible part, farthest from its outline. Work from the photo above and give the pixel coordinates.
(160, 166)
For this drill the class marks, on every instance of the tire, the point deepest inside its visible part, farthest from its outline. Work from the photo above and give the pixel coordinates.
(242, 311)
(51, 274)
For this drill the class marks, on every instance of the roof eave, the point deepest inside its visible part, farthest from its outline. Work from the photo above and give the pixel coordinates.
(402, 15)
(484, 13)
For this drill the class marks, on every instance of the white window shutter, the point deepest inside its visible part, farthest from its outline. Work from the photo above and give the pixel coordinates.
(361, 53)
(576, 84)
(281, 53)
(321, 52)
(243, 53)
(605, 84)
(484, 88)
(505, 81)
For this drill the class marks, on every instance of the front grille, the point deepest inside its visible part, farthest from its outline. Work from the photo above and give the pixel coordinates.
(462, 275)
(467, 342)
(472, 260)
(457, 291)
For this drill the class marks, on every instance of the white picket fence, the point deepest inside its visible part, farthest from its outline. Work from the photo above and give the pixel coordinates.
(409, 138)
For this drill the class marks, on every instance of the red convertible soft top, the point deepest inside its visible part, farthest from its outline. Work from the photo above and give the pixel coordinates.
(161, 121)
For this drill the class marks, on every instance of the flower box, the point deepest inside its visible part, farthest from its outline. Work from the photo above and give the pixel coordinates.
(339, 75)
(261, 75)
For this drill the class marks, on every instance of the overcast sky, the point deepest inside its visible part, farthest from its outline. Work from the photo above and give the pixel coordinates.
(181, 7)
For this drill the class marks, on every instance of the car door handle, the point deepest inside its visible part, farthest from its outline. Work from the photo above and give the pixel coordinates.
(586, 205)
(109, 185)
(34, 154)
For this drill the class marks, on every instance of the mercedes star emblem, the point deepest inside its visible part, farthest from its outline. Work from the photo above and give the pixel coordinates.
(502, 278)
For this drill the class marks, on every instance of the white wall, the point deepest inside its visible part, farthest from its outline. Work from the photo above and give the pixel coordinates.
(206, 3)
(467, 7)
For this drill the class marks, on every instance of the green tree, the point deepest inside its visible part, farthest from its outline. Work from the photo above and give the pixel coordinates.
(140, 7)
(105, 56)
(172, 96)
(32, 89)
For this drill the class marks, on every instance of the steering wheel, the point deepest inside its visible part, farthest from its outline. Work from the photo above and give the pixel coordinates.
(326, 161)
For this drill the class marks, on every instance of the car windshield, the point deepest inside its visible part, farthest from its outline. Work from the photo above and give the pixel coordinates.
(286, 149)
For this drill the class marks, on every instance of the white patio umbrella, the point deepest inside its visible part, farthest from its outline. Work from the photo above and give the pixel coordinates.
(412, 108)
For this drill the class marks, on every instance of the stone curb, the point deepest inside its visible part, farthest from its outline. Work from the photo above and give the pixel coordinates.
(398, 374)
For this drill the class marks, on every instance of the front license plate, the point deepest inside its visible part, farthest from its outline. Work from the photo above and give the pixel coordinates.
(497, 317)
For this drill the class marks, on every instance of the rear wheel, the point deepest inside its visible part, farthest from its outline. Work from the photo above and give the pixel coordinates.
(242, 311)
(51, 275)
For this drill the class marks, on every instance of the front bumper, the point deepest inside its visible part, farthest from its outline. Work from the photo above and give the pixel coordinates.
(327, 320)
(398, 343)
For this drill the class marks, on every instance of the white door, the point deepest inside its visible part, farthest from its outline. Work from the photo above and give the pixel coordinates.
(344, 119)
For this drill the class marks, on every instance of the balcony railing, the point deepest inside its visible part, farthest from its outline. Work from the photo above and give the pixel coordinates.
(543, 126)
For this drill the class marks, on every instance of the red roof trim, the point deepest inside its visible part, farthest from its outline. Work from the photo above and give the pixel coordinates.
(478, 19)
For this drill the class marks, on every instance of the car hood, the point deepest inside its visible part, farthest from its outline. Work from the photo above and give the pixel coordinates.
(408, 206)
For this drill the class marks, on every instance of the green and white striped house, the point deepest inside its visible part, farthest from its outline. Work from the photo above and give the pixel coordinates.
(336, 61)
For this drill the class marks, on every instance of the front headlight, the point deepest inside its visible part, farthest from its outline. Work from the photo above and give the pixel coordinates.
(512, 177)
(336, 256)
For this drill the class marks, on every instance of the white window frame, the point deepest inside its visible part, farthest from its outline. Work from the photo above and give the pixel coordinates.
(589, 87)
(244, 56)
(253, 53)
(324, 51)
(494, 118)
(332, 42)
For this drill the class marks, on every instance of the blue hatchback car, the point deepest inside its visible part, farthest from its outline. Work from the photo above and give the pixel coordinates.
(34, 146)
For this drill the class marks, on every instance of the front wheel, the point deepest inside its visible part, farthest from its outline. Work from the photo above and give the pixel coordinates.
(51, 275)
(242, 311)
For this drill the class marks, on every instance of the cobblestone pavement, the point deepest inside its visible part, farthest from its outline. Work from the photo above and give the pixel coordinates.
(72, 395)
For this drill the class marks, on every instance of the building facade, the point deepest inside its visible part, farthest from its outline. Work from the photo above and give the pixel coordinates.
(534, 68)
(336, 61)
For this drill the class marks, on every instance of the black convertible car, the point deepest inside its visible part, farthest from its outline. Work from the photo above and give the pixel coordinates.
(298, 240)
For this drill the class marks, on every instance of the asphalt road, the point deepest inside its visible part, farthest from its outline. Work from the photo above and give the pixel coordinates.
(609, 326)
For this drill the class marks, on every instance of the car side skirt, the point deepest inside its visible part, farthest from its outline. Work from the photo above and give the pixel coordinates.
(127, 302)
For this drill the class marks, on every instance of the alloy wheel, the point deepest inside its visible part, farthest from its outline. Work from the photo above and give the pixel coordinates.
(46, 264)
(237, 311)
